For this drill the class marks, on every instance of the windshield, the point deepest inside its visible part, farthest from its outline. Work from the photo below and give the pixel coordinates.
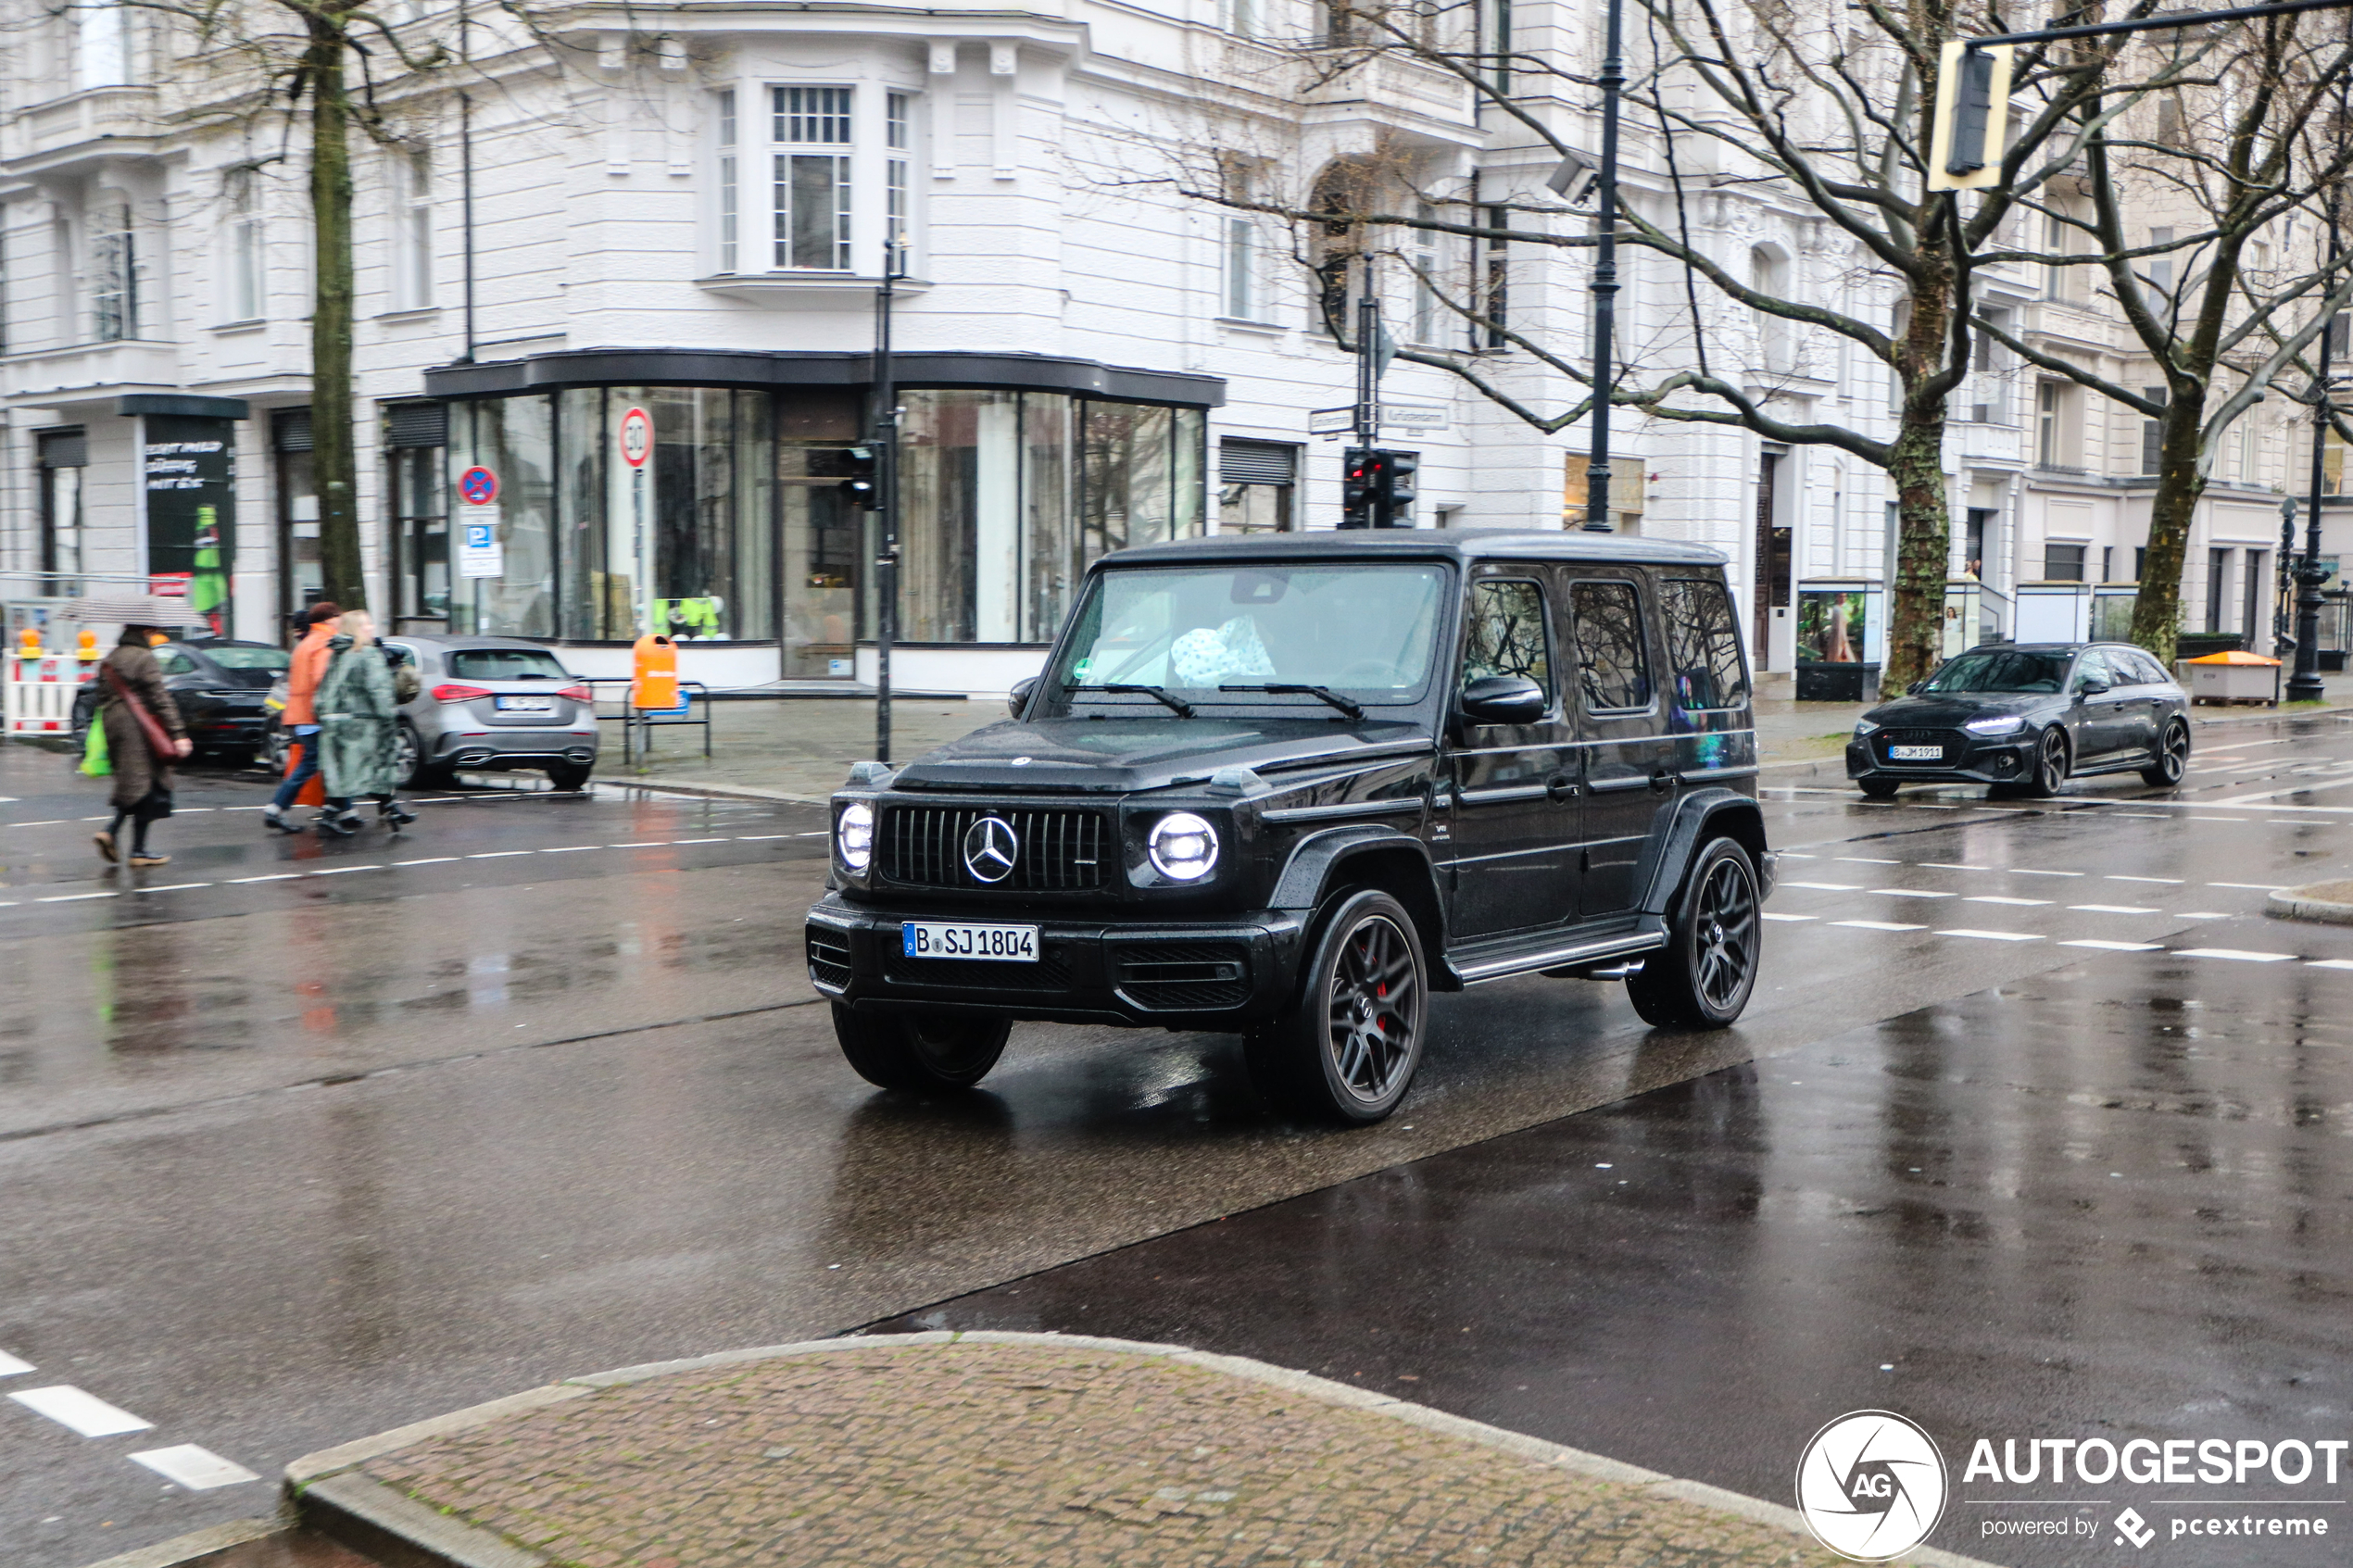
(505, 664)
(1364, 633)
(2006, 670)
(247, 659)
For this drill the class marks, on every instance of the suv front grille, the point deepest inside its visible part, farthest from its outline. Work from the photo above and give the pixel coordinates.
(1181, 977)
(1948, 742)
(829, 956)
(1059, 851)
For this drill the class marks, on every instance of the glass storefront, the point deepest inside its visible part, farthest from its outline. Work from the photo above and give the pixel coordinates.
(733, 527)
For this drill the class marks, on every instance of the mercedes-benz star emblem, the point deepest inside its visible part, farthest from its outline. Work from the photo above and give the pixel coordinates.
(990, 848)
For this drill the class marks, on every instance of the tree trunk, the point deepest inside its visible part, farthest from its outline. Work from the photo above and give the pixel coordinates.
(1915, 622)
(2157, 612)
(334, 466)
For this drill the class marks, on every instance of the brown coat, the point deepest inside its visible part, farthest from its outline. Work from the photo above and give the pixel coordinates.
(135, 770)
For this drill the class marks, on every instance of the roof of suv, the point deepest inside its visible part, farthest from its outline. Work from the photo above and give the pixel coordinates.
(1458, 544)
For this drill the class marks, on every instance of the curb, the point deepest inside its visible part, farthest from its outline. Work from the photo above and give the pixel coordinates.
(326, 1493)
(193, 1552)
(2290, 903)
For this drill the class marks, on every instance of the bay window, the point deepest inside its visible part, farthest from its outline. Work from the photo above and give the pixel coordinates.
(812, 188)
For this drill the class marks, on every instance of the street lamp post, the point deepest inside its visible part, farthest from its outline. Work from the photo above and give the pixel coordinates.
(2305, 685)
(884, 421)
(1606, 272)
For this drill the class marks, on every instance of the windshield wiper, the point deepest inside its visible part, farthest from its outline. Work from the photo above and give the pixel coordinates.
(1286, 688)
(1183, 709)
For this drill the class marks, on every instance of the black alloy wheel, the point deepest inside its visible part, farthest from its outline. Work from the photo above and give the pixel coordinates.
(406, 750)
(920, 1052)
(1877, 789)
(1702, 979)
(2171, 759)
(570, 775)
(1348, 1048)
(2050, 764)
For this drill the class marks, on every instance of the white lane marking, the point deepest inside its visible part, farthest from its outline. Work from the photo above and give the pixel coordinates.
(1827, 887)
(498, 854)
(44, 823)
(280, 876)
(1952, 866)
(2237, 954)
(2029, 870)
(338, 871)
(2330, 963)
(245, 808)
(1794, 855)
(97, 818)
(1792, 917)
(2257, 886)
(199, 1470)
(429, 860)
(722, 839)
(2161, 817)
(172, 887)
(1907, 892)
(756, 837)
(2168, 880)
(2221, 819)
(85, 1413)
(2273, 795)
(1994, 935)
(2114, 946)
(2285, 823)
(192, 810)
(1877, 925)
(2203, 915)
(10, 1366)
(76, 897)
(570, 848)
(819, 833)
(2002, 898)
(1865, 861)
(647, 843)
(2113, 909)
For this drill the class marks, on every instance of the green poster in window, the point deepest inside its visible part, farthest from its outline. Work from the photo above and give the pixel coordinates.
(188, 467)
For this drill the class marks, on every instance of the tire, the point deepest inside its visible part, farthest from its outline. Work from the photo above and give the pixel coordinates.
(2051, 761)
(1877, 789)
(1704, 976)
(275, 744)
(1348, 1048)
(570, 775)
(85, 713)
(2172, 758)
(920, 1052)
(407, 752)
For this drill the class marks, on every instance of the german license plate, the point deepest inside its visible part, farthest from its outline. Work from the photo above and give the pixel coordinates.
(943, 939)
(526, 705)
(1916, 754)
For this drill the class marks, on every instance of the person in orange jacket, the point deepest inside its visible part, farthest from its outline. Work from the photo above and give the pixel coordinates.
(301, 717)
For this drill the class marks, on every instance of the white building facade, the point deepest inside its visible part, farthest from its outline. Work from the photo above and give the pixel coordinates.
(617, 306)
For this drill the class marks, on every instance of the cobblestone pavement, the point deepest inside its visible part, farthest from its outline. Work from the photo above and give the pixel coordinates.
(941, 1455)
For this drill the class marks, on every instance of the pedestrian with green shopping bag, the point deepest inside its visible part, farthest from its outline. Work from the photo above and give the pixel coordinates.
(143, 732)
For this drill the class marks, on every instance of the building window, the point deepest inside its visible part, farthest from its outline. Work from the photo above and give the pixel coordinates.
(2258, 572)
(900, 137)
(1989, 366)
(2050, 432)
(63, 456)
(301, 569)
(114, 274)
(2248, 450)
(1257, 484)
(812, 189)
(2218, 585)
(1426, 277)
(101, 45)
(2055, 276)
(411, 229)
(1243, 18)
(247, 292)
(1768, 275)
(1499, 14)
(2153, 430)
(415, 436)
(727, 180)
(1495, 305)
(2161, 272)
(2063, 563)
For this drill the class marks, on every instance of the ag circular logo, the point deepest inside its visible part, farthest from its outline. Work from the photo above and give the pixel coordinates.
(1871, 1485)
(990, 848)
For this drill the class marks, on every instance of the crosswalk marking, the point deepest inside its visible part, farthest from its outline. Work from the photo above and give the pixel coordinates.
(2238, 955)
(199, 1470)
(85, 1413)
(1992, 935)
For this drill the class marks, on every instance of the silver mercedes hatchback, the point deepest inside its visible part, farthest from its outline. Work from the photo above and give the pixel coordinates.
(494, 703)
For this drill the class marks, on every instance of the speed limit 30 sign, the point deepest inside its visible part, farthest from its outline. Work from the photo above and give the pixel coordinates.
(637, 437)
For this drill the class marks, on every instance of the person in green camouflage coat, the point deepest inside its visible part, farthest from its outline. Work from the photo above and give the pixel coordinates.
(359, 729)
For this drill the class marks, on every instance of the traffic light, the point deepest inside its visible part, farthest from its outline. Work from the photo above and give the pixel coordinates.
(862, 477)
(1972, 115)
(1393, 499)
(1357, 478)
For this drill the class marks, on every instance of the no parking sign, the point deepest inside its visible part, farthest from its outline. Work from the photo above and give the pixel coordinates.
(478, 554)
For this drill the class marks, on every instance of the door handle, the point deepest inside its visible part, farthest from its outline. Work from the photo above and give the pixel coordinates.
(1560, 787)
(1663, 779)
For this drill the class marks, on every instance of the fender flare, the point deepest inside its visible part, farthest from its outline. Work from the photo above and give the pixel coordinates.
(1700, 815)
(1312, 859)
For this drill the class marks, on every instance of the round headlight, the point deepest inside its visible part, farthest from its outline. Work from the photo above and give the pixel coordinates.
(854, 834)
(1183, 847)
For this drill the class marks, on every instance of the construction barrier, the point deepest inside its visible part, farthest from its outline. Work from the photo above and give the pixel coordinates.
(40, 690)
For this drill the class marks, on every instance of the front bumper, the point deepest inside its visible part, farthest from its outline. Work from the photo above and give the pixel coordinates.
(1221, 976)
(2009, 759)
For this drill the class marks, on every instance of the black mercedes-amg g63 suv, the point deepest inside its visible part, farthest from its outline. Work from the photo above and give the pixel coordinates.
(1290, 785)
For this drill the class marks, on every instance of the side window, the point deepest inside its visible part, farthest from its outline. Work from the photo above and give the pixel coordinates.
(1613, 669)
(1703, 644)
(175, 663)
(2146, 669)
(2094, 666)
(1507, 635)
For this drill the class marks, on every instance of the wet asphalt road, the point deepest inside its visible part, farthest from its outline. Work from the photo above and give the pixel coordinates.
(301, 1141)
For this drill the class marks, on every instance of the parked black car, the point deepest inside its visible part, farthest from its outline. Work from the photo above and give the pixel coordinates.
(217, 685)
(2025, 716)
(1288, 786)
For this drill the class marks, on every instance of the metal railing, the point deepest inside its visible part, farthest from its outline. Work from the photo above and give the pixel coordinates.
(638, 727)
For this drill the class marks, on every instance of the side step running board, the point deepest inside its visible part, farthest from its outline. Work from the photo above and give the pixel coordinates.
(1590, 950)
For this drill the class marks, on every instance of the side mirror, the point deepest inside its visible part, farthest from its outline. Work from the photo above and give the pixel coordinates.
(2093, 689)
(1018, 698)
(1914, 689)
(1502, 699)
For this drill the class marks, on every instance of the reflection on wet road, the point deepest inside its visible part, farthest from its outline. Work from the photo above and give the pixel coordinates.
(293, 1160)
